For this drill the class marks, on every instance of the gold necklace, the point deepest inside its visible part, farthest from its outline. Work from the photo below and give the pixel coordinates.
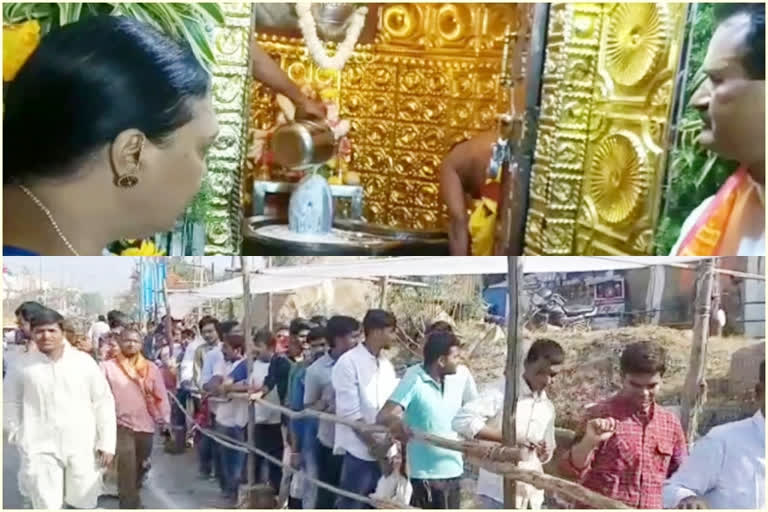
(48, 214)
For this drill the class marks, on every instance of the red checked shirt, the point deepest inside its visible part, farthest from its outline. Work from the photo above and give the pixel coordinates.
(633, 464)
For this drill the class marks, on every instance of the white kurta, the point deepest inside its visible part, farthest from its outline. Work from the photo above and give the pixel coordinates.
(535, 422)
(59, 413)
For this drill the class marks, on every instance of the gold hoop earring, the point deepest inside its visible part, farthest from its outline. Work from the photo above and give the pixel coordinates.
(131, 180)
(127, 181)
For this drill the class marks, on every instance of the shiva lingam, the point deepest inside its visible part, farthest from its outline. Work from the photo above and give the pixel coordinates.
(304, 146)
(332, 20)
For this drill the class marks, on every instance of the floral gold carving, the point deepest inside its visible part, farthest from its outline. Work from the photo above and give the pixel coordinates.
(638, 34)
(226, 157)
(617, 177)
(607, 91)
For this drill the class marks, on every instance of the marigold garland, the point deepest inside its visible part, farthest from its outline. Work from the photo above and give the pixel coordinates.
(19, 42)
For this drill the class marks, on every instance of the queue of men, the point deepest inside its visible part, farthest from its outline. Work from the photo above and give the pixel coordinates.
(70, 415)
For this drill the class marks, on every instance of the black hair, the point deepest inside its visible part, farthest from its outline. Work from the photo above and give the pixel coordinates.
(111, 314)
(46, 316)
(263, 336)
(29, 308)
(102, 318)
(438, 344)
(236, 341)
(644, 357)
(120, 319)
(319, 320)
(762, 372)
(208, 320)
(225, 328)
(439, 326)
(753, 59)
(187, 332)
(340, 326)
(317, 333)
(86, 83)
(378, 319)
(546, 348)
(298, 325)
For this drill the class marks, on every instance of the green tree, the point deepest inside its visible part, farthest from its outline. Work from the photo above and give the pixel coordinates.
(694, 173)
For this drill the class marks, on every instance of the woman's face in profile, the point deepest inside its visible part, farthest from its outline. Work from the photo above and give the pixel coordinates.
(172, 172)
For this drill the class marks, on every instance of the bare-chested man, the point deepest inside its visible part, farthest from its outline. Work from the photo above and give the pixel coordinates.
(463, 176)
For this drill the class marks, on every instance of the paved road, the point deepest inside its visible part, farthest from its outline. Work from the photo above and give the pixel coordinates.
(173, 482)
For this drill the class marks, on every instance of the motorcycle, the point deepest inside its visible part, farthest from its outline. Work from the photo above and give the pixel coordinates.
(549, 308)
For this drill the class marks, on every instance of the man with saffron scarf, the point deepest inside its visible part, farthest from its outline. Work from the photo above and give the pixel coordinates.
(142, 404)
(732, 105)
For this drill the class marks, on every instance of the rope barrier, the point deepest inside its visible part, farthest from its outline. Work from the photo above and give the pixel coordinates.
(244, 447)
(496, 458)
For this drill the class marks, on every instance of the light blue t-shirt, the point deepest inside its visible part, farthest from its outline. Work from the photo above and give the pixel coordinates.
(430, 409)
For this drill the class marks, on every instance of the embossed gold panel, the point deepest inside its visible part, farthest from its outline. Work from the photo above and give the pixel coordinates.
(430, 79)
(227, 154)
(607, 91)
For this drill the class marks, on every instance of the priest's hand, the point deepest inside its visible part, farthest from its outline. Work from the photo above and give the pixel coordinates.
(308, 109)
(104, 458)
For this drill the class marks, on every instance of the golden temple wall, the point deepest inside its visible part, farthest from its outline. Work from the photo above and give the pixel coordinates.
(430, 79)
(607, 91)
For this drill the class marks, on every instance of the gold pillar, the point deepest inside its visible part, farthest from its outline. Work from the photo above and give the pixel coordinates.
(226, 157)
(430, 79)
(607, 92)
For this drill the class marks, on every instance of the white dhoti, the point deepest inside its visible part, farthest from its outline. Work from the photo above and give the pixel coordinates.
(50, 483)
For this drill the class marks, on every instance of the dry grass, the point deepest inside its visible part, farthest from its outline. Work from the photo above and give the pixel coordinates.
(591, 372)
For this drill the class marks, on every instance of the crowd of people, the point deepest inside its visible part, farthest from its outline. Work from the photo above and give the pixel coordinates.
(72, 408)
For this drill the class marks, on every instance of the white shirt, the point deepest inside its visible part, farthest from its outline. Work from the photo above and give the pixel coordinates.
(394, 487)
(726, 468)
(747, 246)
(62, 407)
(233, 412)
(212, 359)
(97, 330)
(362, 383)
(264, 415)
(186, 370)
(534, 423)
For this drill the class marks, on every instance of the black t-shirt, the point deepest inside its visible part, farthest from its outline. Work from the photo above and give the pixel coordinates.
(277, 376)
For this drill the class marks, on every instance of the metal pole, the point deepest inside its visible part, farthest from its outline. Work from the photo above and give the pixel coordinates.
(692, 392)
(512, 373)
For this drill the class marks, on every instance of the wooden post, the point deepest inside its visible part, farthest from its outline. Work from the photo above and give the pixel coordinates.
(692, 395)
(383, 288)
(269, 298)
(250, 353)
(514, 350)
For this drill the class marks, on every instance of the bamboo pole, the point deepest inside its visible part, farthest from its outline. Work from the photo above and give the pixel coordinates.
(514, 348)
(384, 287)
(250, 354)
(692, 394)
(269, 298)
